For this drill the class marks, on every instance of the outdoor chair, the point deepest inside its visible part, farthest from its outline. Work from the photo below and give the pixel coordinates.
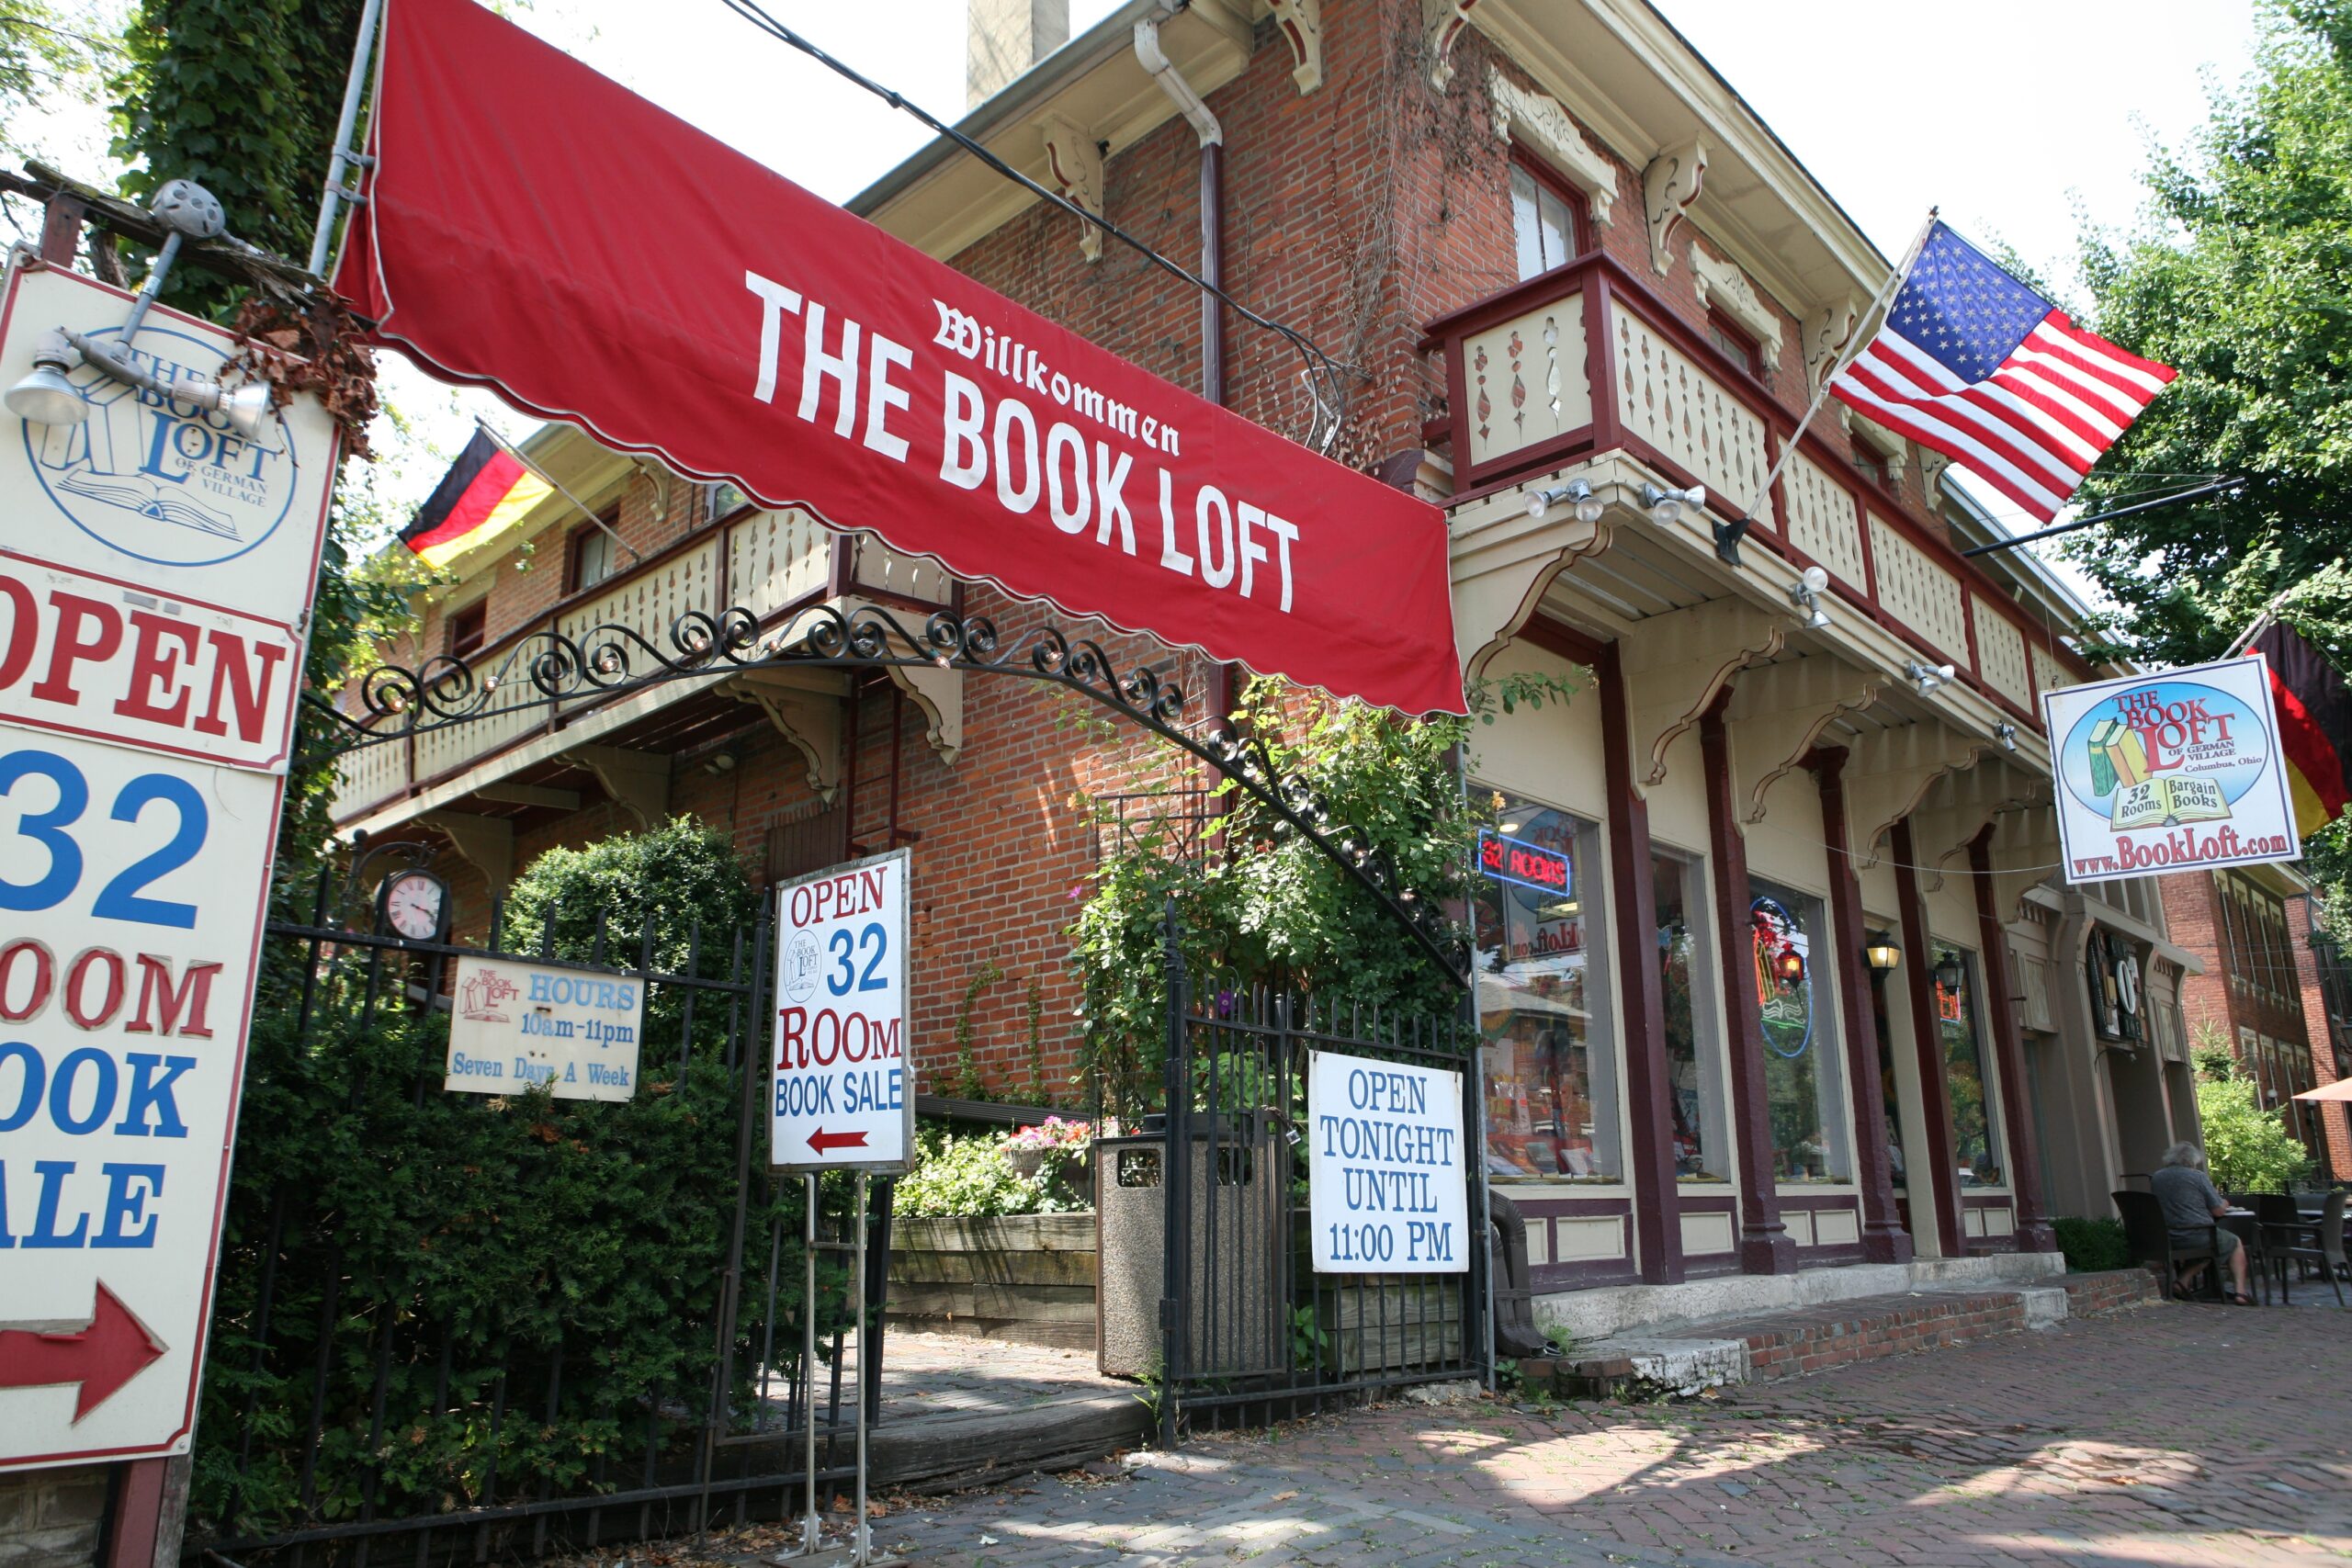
(2306, 1241)
(2151, 1242)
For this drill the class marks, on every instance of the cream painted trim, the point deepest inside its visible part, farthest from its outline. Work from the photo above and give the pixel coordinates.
(1723, 287)
(1523, 115)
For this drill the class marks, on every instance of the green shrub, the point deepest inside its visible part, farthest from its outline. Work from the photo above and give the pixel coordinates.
(579, 1245)
(971, 1176)
(2247, 1149)
(2091, 1246)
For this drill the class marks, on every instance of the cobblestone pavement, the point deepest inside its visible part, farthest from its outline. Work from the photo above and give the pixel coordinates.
(2173, 1434)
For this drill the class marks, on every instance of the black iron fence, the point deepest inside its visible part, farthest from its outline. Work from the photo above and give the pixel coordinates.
(451, 1326)
(1253, 1331)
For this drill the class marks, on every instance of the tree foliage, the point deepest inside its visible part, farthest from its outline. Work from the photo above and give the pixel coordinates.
(2247, 1149)
(2240, 275)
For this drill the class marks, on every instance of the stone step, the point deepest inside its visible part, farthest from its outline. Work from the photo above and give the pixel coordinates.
(1689, 1357)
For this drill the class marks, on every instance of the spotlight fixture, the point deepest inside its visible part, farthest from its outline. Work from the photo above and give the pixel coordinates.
(186, 210)
(1926, 677)
(1882, 954)
(1665, 506)
(1576, 493)
(1806, 594)
(2007, 734)
(45, 396)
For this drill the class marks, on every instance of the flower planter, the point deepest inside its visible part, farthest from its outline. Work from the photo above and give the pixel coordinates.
(1028, 1278)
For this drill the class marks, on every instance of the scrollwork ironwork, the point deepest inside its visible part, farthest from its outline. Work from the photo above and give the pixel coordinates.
(610, 660)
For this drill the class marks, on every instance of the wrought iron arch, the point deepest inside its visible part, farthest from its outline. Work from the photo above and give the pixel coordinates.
(610, 660)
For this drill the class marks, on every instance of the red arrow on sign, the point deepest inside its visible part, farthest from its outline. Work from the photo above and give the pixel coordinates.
(114, 1349)
(822, 1140)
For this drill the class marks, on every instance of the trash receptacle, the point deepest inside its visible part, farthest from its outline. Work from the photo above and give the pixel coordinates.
(1238, 1186)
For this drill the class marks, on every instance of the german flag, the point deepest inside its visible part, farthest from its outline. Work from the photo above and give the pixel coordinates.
(485, 493)
(2314, 726)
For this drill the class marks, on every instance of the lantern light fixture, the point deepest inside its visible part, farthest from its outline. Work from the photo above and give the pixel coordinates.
(1577, 494)
(1881, 953)
(1951, 974)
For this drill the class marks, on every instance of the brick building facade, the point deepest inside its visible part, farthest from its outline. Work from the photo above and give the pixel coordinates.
(1537, 281)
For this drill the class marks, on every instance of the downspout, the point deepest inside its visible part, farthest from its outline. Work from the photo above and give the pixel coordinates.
(1197, 114)
(1224, 689)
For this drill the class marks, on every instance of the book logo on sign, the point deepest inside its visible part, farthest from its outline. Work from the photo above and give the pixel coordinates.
(158, 480)
(2164, 755)
(480, 993)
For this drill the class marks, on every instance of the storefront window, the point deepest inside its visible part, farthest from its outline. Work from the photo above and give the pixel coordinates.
(1550, 1061)
(1800, 1076)
(1975, 1146)
(1694, 1076)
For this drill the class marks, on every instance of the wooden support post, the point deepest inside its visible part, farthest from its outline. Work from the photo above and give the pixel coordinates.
(1926, 1038)
(2034, 1232)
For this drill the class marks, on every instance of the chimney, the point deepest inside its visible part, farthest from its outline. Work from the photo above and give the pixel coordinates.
(1007, 37)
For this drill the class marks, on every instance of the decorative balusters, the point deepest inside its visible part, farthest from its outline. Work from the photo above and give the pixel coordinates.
(1550, 389)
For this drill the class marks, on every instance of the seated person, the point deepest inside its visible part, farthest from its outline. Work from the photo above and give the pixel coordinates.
(2191, 1207)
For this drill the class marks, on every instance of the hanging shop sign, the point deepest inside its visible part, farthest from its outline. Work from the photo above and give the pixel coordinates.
(814, 361)
(519, 1026)
(2176, 770)
(2113, 972)
(1385, 1185)
(157, 569)
(842, 1097)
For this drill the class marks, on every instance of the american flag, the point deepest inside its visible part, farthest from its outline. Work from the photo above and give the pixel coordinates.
(1973, 364)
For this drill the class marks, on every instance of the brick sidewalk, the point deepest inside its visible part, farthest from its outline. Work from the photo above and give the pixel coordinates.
(2165, 1436)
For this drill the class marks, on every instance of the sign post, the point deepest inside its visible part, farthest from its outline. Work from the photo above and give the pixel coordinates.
(156, 594)
(841, 1099)
(2177, 770)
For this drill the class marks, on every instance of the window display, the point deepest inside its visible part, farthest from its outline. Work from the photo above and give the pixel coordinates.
(1694, 1075)
(1550, 1056)
(1800, 1060)
(1975, 1149)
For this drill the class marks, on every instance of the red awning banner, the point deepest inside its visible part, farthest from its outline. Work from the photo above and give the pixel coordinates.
(536, 229)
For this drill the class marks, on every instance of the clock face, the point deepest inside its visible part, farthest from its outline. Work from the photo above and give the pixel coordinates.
(412, 904)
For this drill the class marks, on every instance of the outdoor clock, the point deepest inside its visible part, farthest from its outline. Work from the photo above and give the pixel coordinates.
(415, 903)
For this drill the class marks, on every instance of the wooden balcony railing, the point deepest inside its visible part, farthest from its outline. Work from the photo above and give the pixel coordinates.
(772, 563)
(1589, 359)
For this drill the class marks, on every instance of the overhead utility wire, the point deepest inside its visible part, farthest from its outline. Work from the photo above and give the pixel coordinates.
(1322, 369)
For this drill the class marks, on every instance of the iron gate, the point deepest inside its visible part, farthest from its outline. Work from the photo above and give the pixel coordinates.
(376, 1385)
(1253, 1333)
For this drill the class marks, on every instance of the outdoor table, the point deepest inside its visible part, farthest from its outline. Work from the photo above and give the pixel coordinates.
(2243, 1225)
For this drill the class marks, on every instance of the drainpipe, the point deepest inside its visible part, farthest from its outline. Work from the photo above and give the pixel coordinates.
(1197, 115)
(1203, 122)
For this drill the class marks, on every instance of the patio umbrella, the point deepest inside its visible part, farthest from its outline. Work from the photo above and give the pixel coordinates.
(2340, 1089)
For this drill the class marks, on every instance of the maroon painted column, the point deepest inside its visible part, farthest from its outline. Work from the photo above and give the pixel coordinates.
(1657, 1220)
(1926, 1040)
(2034, 1232)
(1764, 1246)
(1884, 1238)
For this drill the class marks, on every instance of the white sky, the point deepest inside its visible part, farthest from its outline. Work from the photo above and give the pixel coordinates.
(2011, 119)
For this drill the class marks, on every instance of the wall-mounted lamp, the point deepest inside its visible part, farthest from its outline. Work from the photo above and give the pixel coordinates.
(1806, 594)
(1666, 506)
(2007, 734)
(1882, 954)
(1951, 974)
(1576, 493)
(1926, 677)
(187, 211)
